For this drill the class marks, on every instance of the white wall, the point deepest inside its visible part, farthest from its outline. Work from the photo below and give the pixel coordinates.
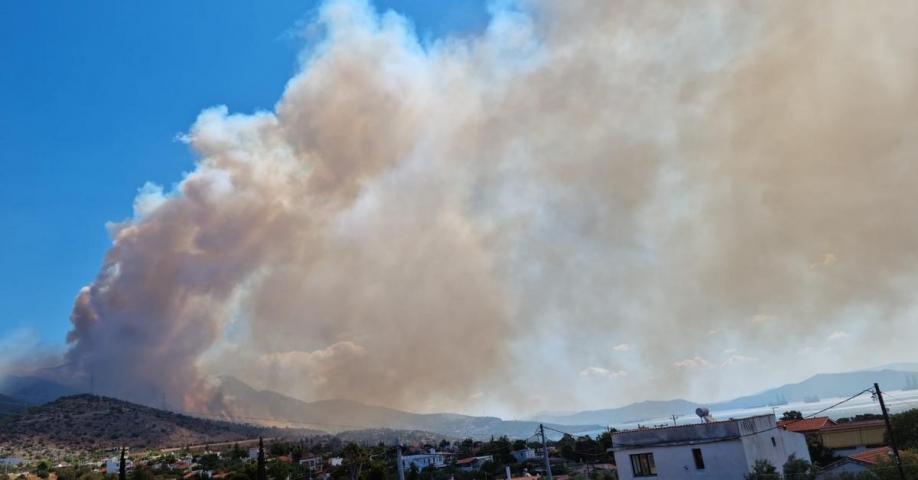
(760, 446)
(738, 448)
(721, 460)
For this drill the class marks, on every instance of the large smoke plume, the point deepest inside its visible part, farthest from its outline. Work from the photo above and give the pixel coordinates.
(584, 194)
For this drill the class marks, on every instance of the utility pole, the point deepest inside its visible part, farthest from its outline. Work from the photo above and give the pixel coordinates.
(545, 452)
(398, 459)
(892, 438)
(674, 419)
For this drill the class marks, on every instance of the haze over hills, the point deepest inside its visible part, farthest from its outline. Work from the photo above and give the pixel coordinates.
(826, 385)
(35, 390)
(335, 416)
(10, 405)
(341, 415)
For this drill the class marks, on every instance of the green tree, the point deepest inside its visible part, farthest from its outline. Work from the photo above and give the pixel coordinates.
(378, 471)
(65, 474)
(792, 415)
(820, 455)
(141, 474)
(262, 473)
(885, 469)
(237, 452)
(354, 456)
(905, 426)
(278, 470)
(763, 470)
(798, 469)
(413, 473)
(860, 418)
(211, 461)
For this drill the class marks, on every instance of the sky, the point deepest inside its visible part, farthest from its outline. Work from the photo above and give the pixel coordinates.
(453, 206)
(93, 97)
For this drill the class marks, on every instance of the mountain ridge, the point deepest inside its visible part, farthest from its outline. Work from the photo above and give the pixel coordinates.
(826, 385)
(339, 415)
(81, 423)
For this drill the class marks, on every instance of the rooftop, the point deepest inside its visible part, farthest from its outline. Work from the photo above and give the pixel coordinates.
(871, 456)
(806, 425)
(860, 424)
(725, 430)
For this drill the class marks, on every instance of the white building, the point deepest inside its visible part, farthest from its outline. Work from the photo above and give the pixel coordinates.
(310, 461)
(424, 460)
(113, 465)
(253, 454)
(335, 461)
(726, 449)
(523, 455)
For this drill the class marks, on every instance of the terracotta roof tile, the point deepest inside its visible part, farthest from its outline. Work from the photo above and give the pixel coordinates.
(806, 425)
(871, 456)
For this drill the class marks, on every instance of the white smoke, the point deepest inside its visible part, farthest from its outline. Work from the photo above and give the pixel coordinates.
(425, 225)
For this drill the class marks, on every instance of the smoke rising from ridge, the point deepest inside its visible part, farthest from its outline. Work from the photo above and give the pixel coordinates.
(434, 226)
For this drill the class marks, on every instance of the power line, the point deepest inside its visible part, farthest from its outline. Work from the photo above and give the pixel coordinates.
(907, 402)
(704, 441)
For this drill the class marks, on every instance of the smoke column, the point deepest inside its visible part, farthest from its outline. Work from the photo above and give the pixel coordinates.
(608, 191)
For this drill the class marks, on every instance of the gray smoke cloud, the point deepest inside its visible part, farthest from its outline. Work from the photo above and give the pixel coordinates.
(584, 199)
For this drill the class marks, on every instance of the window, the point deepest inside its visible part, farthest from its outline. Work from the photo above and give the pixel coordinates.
(699, 460)
(642, 465)
(773, 442)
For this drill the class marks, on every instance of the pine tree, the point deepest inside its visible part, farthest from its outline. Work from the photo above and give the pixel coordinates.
(122, 469)
(262, 473)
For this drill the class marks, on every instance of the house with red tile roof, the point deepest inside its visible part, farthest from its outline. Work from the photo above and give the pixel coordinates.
(857, 463)
(472, 463)
(807, 425)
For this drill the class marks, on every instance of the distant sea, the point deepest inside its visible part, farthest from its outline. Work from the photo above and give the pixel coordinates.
(896, 401)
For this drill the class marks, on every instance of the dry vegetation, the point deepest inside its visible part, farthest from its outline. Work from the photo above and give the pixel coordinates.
(81, 424)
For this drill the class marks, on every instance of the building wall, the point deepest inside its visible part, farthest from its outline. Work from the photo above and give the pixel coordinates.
(721, 460)
(761, 447)
(729, 449)
(523, 455)
(423, 461)
(837, 438)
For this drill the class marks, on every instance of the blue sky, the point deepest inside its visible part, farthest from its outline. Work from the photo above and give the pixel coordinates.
(92, 97)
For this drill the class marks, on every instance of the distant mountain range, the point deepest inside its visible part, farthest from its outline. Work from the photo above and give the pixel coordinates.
(9, 406)
(341, 415)
(824, 385)
(335, 416)
(34, 390)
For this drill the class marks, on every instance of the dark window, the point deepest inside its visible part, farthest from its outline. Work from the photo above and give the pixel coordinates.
(773, 442)
(643, 466)
(699, 460)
